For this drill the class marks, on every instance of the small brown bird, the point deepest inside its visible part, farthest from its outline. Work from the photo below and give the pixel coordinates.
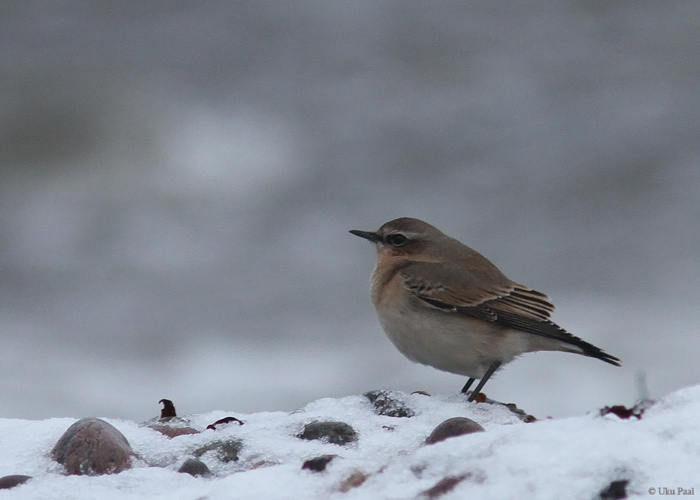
(445, 305)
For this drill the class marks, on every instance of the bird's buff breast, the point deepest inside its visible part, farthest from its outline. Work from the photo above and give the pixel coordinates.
(448, 341)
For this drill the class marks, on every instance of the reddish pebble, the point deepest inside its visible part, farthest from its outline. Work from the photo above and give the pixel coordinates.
(7, 482)
(93, 447)
(457, 426)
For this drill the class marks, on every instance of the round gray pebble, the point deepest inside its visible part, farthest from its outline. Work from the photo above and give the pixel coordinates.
(195, 467)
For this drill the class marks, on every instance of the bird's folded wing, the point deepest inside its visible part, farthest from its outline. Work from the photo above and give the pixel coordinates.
(488, 295)
(483, 290)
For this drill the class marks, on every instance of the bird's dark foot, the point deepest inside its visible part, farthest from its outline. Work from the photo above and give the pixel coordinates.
(494, 366)
(467, 385)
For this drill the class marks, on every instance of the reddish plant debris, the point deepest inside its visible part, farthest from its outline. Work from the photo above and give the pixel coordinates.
(480, 398)
(445, 485)
(525, 417)
(169, 423)
(623, 412)
(225, 420)
(318, 464)
(263, 463)
(168, 410)
(388, 428)
(353, 481)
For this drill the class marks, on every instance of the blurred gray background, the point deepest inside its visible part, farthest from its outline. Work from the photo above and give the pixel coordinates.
(177, 180)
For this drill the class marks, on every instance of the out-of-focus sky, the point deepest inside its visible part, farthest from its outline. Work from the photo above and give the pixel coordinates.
(177, 180)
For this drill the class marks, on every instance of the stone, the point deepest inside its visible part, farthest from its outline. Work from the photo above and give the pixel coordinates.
(195, 467)
(173, 430)
(386, 404)
(456, 426)
(7, 482)
(318, 464)
(93, 447)
(338, 433)
(616, 490)
(225, 451)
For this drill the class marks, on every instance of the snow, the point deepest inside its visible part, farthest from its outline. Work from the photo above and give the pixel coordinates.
(575, 457)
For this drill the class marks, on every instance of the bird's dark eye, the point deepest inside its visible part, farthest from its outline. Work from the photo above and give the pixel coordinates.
(396, 240)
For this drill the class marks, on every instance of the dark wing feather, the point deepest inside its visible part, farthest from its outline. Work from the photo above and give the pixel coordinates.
(544, 328)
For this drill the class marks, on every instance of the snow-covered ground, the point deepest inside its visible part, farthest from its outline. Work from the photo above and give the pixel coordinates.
(577, 457)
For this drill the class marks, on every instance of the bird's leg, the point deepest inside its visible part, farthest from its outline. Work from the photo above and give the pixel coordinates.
(467, 385)
(494, 366)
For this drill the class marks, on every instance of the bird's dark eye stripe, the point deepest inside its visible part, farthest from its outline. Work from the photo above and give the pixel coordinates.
(396, 239)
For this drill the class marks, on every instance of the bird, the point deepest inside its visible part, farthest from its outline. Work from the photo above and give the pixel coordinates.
(445, 305)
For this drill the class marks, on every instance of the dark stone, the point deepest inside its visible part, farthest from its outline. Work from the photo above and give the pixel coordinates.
(226, 451)
(385, 404)
(330, 432)
(615, 490)
(318, 464)
(93, 447)
(456, 426)
(195, 467)
(7, 482)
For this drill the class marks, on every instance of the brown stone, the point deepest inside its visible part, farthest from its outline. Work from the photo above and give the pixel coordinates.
(330, 432)
(456, 426)
(318, 464)
(173, 430)
(7, 482)
(93, 447)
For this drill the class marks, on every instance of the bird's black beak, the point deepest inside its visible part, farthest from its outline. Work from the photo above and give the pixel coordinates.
(373, 237)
